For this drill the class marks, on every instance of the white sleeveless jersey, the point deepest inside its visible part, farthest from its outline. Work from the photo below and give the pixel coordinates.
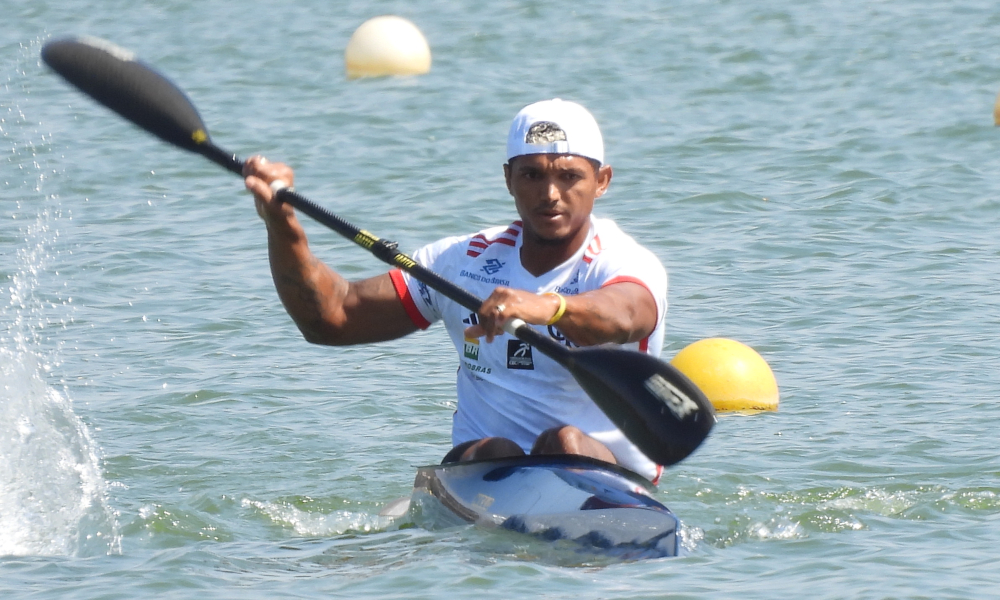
(504, 388)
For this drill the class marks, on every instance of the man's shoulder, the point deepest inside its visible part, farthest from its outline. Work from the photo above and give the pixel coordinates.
(608, 236)
(608, 228)
(614, 255)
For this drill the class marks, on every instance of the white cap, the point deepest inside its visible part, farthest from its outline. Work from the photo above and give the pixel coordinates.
(555, 127)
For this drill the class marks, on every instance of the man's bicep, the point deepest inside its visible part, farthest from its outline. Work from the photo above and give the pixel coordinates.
(632, 298)
(374, 312)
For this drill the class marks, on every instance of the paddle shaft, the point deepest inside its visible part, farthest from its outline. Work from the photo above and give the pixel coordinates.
(387, 252)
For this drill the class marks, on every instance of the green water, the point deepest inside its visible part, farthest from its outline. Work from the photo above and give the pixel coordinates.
(818, 177)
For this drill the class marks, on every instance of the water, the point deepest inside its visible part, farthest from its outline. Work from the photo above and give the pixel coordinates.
(818, 177)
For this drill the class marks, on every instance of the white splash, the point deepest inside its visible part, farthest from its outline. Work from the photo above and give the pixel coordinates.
(319, 524)
(876, 501)
(778, 528)
(690, 537)
(52, 493)
(53, 497)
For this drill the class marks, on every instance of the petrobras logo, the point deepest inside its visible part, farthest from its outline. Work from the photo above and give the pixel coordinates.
(471, 349)
(473, 368)
(678, 402)
(493, 266)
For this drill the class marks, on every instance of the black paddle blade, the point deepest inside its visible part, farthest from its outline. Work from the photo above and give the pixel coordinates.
(656, 406)
(112, 76)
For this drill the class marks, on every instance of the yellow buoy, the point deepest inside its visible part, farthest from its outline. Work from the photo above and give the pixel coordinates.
(996, 111)
(732, 375)
(387, 45)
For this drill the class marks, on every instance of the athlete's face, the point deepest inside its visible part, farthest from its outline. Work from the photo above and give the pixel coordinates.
(555, 193)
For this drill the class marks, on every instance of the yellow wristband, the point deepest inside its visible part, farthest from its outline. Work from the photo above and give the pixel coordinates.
(560, 311)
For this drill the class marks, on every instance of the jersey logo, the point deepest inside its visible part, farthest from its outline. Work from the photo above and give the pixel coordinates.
(559, 337)
(476, 368)
(471, 349)
(493, 266)
(519, 355)
(425, 293)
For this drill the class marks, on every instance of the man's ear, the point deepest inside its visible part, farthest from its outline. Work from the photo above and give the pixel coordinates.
(603, 180)
(506, 177)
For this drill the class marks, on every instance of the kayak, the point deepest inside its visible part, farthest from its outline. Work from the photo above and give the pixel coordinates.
(598, 506)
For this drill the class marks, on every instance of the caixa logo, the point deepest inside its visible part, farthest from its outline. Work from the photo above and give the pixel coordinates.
(493, 266)
(559, 337)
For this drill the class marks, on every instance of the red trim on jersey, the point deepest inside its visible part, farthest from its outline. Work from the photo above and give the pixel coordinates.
(593, 249)
(659, 473)
(644, 342)
(479, 243)
(595, 245)
(403, 291)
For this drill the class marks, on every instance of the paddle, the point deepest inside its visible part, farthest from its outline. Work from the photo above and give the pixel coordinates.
(659, 409)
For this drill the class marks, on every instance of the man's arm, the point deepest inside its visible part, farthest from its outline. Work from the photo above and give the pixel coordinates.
(620, 313)
(327, 308)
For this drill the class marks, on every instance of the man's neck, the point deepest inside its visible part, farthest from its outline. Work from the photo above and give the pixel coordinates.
(540, 256)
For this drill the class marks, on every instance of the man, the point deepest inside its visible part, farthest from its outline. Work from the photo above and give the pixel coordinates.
(574, 276)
